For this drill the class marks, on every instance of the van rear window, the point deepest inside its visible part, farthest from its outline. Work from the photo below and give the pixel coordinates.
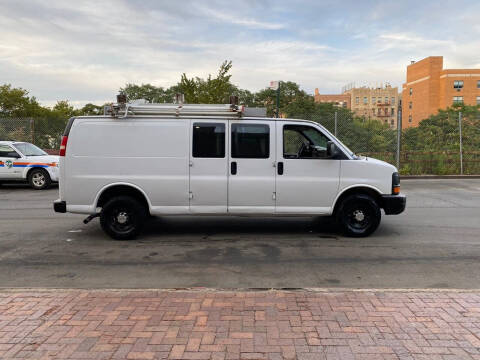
(208, 140)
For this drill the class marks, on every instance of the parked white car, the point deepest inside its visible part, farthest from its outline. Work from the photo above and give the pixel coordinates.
(24, 162)
(167, 159)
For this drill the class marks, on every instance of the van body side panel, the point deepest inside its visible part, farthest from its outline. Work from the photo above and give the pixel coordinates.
(370, 172)
(151, 154)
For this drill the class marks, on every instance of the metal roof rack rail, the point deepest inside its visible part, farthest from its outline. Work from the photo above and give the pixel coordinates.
(122, 109)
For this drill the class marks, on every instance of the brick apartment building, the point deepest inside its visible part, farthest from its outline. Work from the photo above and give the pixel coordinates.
(377, 103)
(340, 100)
(429, 88)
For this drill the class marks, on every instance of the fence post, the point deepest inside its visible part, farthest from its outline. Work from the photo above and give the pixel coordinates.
(32, 129)
(335, 133)
(461, 145)
(399, 135)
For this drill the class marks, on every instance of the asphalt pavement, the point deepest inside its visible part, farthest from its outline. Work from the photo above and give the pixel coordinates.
(434, 244)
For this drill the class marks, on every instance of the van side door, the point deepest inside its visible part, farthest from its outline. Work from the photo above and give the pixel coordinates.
(208, 166)
(251, 180)
(307, 179)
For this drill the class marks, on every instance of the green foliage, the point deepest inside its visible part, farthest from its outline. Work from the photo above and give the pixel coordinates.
(15, 102)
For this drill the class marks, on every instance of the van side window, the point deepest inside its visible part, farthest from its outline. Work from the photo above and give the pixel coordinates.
(303, 142)
(208, 140)
(250, 141)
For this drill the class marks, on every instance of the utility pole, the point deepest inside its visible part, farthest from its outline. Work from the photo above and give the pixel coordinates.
(399, 133)
(278, 100)
(461, 144)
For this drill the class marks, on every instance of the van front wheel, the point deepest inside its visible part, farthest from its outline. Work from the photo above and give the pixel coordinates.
(359, 215)
(122, 217)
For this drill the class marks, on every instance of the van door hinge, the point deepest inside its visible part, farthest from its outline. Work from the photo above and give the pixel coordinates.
(190, 163)
(274, 196)
(274, 164)
(190, 195)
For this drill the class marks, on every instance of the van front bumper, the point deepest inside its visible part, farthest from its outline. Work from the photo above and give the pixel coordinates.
(60, 206)
(394, 204)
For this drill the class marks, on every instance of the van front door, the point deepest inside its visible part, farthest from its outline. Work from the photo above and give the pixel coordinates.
(251, 181)
(307, 180)
(208, 166)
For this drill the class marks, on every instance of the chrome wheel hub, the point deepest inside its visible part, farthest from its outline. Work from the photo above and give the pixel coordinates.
(358, 215)
(38, 179)
(122, 218)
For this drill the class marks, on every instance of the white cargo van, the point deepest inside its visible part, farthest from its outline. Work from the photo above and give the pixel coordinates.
(169, 159)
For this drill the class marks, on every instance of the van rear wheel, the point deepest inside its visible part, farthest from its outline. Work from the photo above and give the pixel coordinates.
(122, 217)
(359, 215)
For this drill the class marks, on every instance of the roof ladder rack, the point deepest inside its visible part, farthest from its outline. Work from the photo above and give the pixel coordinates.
(123, 110)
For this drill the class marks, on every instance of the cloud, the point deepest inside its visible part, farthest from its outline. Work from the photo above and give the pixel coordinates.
(86, 50)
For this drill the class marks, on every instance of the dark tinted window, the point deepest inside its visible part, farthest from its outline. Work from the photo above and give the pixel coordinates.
(6, 151)
(209, 140)
(250, 141)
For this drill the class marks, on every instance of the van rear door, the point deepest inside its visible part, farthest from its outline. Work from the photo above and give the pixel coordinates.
(251, 180)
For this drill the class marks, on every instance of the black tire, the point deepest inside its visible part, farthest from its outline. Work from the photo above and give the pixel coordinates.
(358, 215)
(122, 217)
(39, 179)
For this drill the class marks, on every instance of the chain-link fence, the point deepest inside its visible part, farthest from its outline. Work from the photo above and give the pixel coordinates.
(44, 132)
(447, 145)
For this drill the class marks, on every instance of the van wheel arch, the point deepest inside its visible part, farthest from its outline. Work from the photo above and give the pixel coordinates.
(360, 190)
(123, 190)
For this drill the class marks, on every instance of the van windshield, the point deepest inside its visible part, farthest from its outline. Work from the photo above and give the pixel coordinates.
(28, 149)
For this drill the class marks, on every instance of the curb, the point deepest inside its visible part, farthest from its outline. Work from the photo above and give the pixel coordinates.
(437, 177)
(223, 290)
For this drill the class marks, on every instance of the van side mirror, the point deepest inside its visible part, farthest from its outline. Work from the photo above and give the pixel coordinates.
(332, 149)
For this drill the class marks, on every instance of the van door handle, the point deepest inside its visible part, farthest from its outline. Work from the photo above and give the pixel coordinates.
(233, 168)
(280, 168)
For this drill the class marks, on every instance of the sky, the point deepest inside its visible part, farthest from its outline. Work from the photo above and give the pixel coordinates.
(84, 51)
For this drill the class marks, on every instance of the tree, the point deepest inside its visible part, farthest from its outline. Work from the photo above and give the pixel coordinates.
(148, 92)
(208, 91)
(15, 102)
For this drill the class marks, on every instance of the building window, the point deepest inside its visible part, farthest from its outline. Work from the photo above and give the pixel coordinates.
(365, 100)
(411, 91)
(392, 122)
(458, 84)
(374, 100)
(379, 112)
(386, 99)
(478, 100)
(357, 100)
(409, 118)
(392, 111)
(458, 99)
(410, 105)
(478, 84)
(393, 100)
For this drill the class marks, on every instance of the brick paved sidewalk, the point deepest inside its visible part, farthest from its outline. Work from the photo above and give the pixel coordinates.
(344, 325)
